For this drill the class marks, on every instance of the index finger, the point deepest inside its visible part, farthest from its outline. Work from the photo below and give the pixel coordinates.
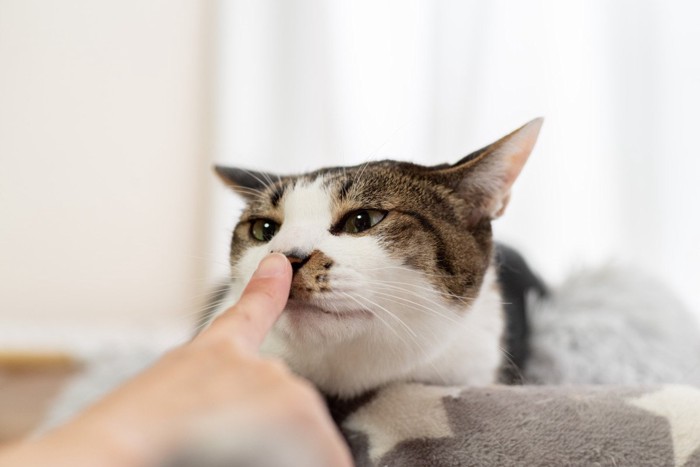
(263, 300)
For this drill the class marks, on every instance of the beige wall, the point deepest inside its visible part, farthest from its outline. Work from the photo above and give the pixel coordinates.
(104, 164)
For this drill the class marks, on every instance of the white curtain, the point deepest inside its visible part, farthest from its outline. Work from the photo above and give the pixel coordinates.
(303, 84)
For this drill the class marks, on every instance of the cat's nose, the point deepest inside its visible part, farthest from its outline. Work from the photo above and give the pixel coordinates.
(297, 261)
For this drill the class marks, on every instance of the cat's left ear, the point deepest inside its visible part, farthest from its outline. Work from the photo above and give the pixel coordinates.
(484, 177)
(247, 183)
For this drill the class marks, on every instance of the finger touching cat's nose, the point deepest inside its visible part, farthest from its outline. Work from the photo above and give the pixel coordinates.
(263, 300)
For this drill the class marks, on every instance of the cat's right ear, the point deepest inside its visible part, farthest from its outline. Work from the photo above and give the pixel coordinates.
(247, 183)
(485, 177)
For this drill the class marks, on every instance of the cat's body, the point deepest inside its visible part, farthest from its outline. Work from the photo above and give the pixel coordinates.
(395, 275)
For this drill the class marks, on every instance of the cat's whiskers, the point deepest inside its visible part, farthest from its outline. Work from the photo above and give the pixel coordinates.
(439, 306)
(263, 182)
(405, 268)
(358, 177)
(420, 307)
(255, 194)
(462, 298)
(199, 322)
(206, 310)
(393, 315)
(410, 287)
(205, 316)
(268, 179)
(416, 305)
(364, 307)
(464, 326)
(392, 287)
(432, 290)
(414, 336)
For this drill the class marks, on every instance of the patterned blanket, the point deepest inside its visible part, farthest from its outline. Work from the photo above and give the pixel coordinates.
(418, 425)
(412, 425)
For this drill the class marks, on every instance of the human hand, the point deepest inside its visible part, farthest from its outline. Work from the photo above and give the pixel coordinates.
(217, 380)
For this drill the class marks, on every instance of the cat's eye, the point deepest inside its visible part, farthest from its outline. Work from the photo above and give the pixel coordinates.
(359, 221)
(263, 229)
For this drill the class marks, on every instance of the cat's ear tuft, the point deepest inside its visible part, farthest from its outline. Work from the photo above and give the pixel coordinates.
(484, 177)
(247, 183)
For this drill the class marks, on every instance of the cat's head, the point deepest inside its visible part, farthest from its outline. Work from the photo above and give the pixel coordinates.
(386, 255)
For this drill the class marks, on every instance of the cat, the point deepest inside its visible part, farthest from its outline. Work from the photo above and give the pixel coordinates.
(397, 278)
(396, 275)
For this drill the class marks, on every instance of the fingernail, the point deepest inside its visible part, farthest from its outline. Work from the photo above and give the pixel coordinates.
(272, 265)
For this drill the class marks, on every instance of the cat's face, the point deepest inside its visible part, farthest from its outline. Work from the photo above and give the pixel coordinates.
(363, 240)
(386, 255)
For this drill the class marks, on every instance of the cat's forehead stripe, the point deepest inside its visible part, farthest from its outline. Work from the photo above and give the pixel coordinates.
(277, 193)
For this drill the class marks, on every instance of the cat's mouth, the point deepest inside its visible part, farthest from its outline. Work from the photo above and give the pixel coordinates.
(297, 306)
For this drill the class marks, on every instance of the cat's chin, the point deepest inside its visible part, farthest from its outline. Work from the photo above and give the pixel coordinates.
(302, 309)
(303, 323)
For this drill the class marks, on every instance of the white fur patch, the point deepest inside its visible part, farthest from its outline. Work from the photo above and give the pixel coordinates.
(388, 409)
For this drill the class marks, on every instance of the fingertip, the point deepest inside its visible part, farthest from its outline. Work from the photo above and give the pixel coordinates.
(273, 265)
